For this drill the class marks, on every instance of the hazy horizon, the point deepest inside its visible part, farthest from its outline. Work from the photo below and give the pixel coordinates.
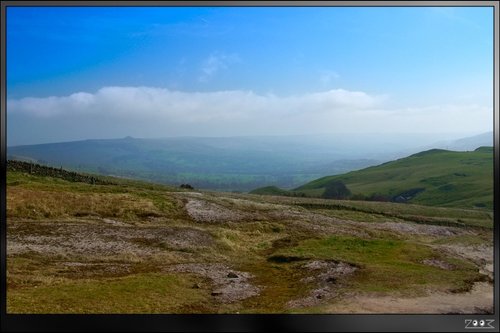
(432, 138)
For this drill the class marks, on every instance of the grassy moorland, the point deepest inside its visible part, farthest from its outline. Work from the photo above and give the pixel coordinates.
(112, 245)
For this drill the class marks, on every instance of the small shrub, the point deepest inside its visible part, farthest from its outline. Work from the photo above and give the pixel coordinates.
(336, 190)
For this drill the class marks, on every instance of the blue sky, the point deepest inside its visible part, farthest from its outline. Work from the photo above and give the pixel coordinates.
(95, 72)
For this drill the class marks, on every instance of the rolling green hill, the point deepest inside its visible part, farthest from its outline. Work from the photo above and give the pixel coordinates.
(435, 177)
(270, 190)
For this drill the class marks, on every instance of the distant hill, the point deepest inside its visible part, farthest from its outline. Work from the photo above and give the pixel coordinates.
(434, 177)
(227, 164)
(485, 150)
(468, 143)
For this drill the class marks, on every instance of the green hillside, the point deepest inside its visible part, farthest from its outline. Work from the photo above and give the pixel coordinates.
(435, 177)
(269, 190)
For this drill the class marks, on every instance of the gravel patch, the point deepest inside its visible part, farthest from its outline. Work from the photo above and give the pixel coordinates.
(228, 285)
(98, 240)
(115, 222)
(418, 229)
(255, 205)
(326, 276)
(77, 242)
(198, 194)
(481, 255)
(203, 211)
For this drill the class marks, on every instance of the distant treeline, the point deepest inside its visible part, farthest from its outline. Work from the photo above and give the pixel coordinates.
(41, 170)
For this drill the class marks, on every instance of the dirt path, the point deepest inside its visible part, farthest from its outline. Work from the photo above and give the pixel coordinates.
(478, 300)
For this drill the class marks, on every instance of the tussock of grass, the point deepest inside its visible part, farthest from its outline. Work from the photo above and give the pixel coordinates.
(282, 283)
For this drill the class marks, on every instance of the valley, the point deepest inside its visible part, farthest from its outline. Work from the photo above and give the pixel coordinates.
(232, 164)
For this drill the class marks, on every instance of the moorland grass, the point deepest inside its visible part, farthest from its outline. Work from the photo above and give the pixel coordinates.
(389, 265)
(141, 293)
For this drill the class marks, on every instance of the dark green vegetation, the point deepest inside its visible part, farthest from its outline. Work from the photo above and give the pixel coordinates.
(126, 246)
(229, 164)
(336, 190)
(270, 190)
(435, 177)
(40, 170)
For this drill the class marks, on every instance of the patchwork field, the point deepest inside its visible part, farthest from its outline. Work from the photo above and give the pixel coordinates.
(123, 246)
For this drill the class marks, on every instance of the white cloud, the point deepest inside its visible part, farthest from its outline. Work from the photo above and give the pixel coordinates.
(245, 112)
(215, 63)
(160, 102)
(52, 106)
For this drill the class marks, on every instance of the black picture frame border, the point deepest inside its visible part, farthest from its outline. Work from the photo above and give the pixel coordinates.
(241, 322)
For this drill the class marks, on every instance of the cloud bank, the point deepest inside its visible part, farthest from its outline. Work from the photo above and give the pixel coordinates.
(191, 106)
(156, 111)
